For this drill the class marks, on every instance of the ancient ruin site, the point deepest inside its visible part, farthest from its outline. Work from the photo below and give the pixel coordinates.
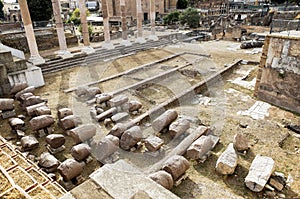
(149, 99)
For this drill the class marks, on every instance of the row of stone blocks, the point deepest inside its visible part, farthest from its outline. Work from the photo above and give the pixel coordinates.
(12, 64)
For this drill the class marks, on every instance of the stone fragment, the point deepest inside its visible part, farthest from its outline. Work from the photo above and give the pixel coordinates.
(49, 162)
(113, 139)
(29, 89)
(240, 142)
(93, 113)
(70, 169)
(32, 100)
(20, 133)
(164, 120)
(29, 143)
(6, 104)
(153, 143)
(105, 148)
(43, 110)
(24, 97)
(140, 194)
(259, 173)
(134, 105)
(83, 133)
(118, 100)
(119, 117)
(277, 185)
(131, 137)
(227, 161)
(8, 114)
(70, 121)
(179, 127)
(199, 148)
(104, 97)
(41, 122)
(63, 112)
(81, 91)
(176, 166)
(55, 140)
(118, 130)
(92, 92)
(16, 123)
(17, 87)
(80, 152)
(99, 110)
(31, 110)
(108, 122)
(163, 178)
(110, 112)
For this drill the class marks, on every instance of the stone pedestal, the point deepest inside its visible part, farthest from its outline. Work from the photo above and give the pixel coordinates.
(87, 49)
(125, 43)
(34, 76)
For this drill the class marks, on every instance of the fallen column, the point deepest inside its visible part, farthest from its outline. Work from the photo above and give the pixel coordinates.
(164, 120)
(176, 166)
(259, 173)
(110, 112)
(106, 147)
(179, 127)
(131, 137)
(70, 169)
(32, 110)
(55, 143)
(227, 161)
(29, 143)
(63, 112)
(41, 122)
(70, 121)
(29, 89)
(7, 108)
(199, 148)
(163, 178)
(48, 162)
(153, 143)
(80, 152)
(83, 133)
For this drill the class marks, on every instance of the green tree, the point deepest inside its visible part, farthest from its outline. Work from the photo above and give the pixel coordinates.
(75, 16)
(190, 17)
(40, 10)
(172, 18)
(182, 4)
(1, 10)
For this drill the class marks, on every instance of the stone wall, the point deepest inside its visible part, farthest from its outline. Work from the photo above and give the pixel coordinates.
(278, 80)
(46, 39)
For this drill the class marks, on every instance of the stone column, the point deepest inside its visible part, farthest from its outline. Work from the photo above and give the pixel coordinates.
(124, 41)
(139, 13)
(107, 43)
(35, 57)
(152, 19)
(85, 32)
(63, 49)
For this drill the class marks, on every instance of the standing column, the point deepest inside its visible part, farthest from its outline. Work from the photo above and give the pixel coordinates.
(35, 57)
(85, 32)
(152, 20)
(107, 43)
(124, 41)
(139, 13)
(63, 49)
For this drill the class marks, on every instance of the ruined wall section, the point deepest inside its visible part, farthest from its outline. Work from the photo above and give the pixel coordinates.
(278, 81)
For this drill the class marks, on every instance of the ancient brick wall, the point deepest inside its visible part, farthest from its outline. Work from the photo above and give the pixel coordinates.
(278, 81)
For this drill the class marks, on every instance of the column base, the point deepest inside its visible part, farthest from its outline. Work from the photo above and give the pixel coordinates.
(88, 49)
(108, 45)
(125, 43)
(34, 76)
(36, 60)
(64, 54)
(140, 40)
(153, 38)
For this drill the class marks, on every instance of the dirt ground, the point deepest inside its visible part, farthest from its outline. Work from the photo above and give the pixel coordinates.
(221, 114)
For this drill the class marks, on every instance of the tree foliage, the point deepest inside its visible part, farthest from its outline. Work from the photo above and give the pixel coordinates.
(40, 10)
(182, 4)
(1, 10)
(172, 18)
(190, 17)
(75, 16)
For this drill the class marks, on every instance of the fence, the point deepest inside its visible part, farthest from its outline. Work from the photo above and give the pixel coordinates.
(284, 25)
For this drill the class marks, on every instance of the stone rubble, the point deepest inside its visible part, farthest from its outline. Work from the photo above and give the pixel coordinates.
(227, 161)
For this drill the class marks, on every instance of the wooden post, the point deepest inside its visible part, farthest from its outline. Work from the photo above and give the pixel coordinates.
(35, 57)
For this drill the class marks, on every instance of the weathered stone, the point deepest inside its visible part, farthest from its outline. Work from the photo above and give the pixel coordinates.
(113, 139)
(119, 117)
(105, 148)
(8, 114)
(277, 185)
(24, 96)
(199, 148)
(31, 110)
(280, 177)
(20, 133)
(49, 162)
(153, 143)
(41, 122)
(80, 152)
(104, 97)
(240, 142)
(83, 133)
(29, 89)
(108, 122)
(163, 178)
(70, 169)
(55, 140)
(227, 161)
(43, 110)
(140, 195)
(131, 137)
(22, 117)
(164, 120)
(70, 121)
(179, 127)
(134, 105)
(118, 100)
(81, 91)
(6, 104)
(93, 91)
(93, 113)
(17, 87)
(63, 112)
(99, 110)
(215, 139)
(118, 130)
(259, 173)
(16, 123)
(29, 143)
(32, 100)
(110, 112)
(176, 166)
